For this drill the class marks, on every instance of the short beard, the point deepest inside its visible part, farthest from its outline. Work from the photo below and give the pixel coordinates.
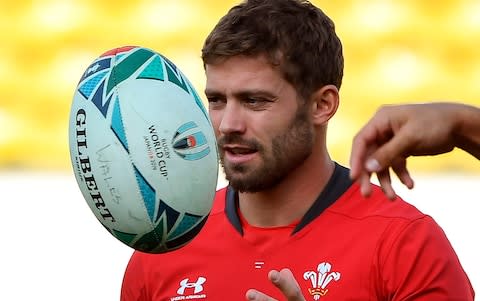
(288, 151)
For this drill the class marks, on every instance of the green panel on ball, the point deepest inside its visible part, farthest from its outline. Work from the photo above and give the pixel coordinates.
(151, 241)
(154, 70)
(126, 238)
(127, 67)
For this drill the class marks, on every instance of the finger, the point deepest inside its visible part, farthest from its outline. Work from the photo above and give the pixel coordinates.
(386, 184)
(357, 157)
(384, 156)
(361, 147)
(287, 284)
(400, 168)
(254, 295)
(365, 184)
(375, 132)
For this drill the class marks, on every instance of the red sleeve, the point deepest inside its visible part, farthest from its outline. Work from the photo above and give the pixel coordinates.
(133, 285)
(420, 264)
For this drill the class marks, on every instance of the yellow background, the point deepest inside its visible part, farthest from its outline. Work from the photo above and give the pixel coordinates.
(395, 51)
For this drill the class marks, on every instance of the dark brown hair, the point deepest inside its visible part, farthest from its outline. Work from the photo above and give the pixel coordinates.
(293, 34)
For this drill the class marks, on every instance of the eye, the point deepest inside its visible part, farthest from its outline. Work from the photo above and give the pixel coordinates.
(253, 100)
(215, 102)
(256, 103)
(212, 99)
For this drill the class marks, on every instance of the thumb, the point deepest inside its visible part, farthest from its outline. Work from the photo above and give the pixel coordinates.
(287, 284)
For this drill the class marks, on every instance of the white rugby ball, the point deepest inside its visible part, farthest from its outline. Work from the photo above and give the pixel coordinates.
(143, 149)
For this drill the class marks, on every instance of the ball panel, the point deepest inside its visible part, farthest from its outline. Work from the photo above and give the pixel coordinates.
(98, 159)
(126, 66)
(186, 237)
(153, 152)
(117, 124)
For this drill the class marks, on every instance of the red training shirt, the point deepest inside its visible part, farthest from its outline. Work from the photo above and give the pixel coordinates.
(346, 247)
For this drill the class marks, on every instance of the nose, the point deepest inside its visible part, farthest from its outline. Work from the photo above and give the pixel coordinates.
(232, 119)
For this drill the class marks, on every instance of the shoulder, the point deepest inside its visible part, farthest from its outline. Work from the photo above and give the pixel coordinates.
(412, 255)
(352, 204)
(418, 260)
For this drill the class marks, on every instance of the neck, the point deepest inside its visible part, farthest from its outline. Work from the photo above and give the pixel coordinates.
(290, 199)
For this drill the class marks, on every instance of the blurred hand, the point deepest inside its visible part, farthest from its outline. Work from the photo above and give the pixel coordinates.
(396, 132)
(283, 280)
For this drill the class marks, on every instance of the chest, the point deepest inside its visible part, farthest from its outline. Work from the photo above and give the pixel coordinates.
(328, 265)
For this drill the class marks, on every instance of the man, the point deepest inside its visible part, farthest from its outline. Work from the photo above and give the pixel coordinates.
(397, 132)
(273, 70)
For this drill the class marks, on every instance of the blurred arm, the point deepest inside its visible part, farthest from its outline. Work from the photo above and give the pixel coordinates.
(397, 132)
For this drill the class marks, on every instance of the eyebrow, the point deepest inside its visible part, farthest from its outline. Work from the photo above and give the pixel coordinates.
(212, 92)
(243, 94)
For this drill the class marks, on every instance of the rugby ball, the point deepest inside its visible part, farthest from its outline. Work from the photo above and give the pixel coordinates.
(143, 149)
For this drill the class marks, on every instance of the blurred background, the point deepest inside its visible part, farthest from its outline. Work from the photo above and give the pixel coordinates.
(395, 51)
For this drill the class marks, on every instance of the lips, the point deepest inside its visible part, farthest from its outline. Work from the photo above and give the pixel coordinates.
(236, 154)
(239, 150)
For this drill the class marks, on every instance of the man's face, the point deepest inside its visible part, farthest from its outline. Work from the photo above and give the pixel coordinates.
(263, 129)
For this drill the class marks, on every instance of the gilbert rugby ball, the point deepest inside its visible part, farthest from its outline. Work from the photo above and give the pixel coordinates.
(143, 149)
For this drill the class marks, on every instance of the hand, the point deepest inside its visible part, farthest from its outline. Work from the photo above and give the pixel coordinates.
(284, 281)
(396, 132)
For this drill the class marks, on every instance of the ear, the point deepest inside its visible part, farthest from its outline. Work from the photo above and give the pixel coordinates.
(324, 104)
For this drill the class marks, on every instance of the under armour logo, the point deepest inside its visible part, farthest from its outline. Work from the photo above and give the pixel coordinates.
(184, 284)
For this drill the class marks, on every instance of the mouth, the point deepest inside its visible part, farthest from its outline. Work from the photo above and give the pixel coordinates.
(237, 154)
(239, 150)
